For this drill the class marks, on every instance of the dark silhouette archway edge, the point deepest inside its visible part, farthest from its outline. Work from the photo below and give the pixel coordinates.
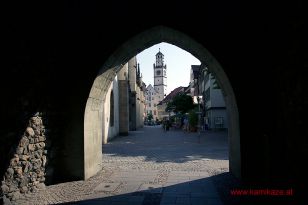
(94, 108)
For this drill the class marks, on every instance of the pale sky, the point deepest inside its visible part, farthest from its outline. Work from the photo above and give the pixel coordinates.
(178, 63)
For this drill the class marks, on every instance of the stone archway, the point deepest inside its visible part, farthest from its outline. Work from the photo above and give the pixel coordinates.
(94, 112)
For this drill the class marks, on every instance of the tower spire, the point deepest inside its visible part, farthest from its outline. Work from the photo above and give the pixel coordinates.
(160, 78)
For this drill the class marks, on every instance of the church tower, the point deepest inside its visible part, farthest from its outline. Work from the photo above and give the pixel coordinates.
(160, 76)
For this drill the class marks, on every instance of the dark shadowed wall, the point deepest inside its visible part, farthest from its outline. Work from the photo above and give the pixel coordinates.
(52, 54)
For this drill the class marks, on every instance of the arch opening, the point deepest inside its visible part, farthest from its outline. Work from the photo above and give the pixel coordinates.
(94, 112)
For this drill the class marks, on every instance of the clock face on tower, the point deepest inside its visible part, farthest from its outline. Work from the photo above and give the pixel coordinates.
(158, 72)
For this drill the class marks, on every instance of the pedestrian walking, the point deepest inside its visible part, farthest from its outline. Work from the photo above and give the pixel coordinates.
(185, 124)
(164, 124)
(167, 125)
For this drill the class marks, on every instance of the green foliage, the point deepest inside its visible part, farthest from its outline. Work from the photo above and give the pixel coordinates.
(150, 117)
(193, 118)
(169, 106)
(181, 103)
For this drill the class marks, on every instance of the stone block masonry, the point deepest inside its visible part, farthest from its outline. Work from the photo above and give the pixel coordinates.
(26, 170)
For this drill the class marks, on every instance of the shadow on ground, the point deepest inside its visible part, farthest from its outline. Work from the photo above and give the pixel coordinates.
(213, 190)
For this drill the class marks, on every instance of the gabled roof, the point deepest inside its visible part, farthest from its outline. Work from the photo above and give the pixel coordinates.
(150, 87)
(172, 94)
(187, 89)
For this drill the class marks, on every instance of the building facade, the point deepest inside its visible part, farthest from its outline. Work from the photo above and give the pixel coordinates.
(136, 95)
(111, 112)
(194, 80)
(155, 94)
(151, 101)
(125, 102)
(213, 107)
(160, 76)
(140, 99)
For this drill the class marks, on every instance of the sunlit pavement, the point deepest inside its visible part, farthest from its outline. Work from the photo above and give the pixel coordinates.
(150, 166)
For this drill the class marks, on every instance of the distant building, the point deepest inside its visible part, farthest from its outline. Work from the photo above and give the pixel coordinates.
(194, 75)
(144, 111)
(213, 105)
(151, 101)
(137, 98)
(160, 76)
(162, 105)
(154, 95)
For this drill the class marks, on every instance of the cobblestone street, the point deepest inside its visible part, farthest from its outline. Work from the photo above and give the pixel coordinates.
(149, 166)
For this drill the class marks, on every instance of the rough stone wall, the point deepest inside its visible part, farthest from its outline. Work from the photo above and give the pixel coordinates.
(26, 171)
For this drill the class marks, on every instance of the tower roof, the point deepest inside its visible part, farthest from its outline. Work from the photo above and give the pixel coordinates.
(159, 53)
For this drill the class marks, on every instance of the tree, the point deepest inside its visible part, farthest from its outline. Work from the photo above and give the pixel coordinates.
(150, 116)
(181, 103)
(193, 119)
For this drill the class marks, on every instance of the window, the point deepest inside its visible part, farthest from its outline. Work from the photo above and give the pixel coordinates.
(158, 72)
(154, 112)
(152, 98)
(111, 116)
(219, 123)
(149, 104)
